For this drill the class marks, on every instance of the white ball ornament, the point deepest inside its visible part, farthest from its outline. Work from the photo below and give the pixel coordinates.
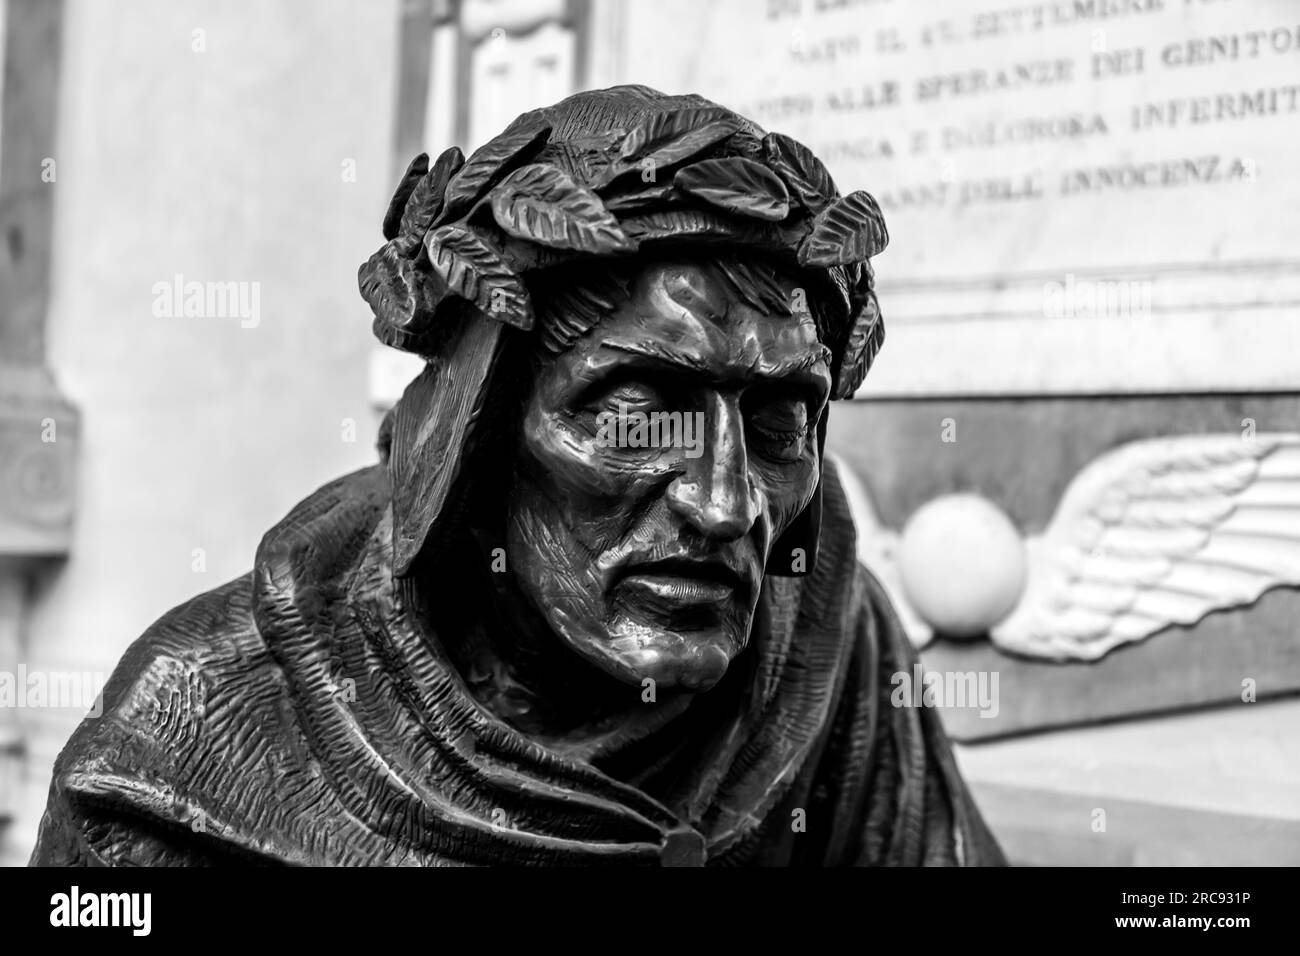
(962, 564)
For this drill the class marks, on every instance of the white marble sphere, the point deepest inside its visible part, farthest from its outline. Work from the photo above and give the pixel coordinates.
(962, 564)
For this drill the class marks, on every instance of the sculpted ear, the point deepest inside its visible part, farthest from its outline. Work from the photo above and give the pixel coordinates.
(435, 426)
(794, 554)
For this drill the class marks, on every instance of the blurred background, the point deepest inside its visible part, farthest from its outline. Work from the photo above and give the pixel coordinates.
(1095, 234)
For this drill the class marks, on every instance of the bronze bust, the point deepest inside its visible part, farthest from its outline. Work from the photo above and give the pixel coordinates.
(599, 603)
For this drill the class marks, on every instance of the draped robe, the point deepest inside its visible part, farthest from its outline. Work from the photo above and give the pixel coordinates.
(305, 714)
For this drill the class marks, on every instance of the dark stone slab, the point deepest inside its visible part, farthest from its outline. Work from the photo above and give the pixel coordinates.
(1176, 669)
(1022, 454)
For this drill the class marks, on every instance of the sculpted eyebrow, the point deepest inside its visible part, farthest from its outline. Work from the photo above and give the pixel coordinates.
(668, 355)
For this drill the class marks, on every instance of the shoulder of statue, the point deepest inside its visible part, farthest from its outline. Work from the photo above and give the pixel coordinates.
(167, 677)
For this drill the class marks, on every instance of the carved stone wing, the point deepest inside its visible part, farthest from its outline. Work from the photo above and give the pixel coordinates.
(1155, 533)
(877, 549)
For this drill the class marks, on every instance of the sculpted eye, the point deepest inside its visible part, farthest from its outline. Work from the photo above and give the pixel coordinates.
(781, 417)
(627, 395)
(778, 428)
(633, 393)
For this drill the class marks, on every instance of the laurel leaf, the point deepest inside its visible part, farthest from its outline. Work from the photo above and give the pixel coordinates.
(586, 159)
(736, 185)
(405, 339)
(849, 230)
(742, 143)
(492, 162)
(809, 182)
(665, 139)
(544, 205)
(473, 272)
(661, 130)
(395, 289)
(521, 255)
(866, 336)
(708, 226)
(397, 206)
(654, 194)
(839, 306)
(426, 199)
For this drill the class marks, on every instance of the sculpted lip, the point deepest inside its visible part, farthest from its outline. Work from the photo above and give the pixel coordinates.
(687, 580)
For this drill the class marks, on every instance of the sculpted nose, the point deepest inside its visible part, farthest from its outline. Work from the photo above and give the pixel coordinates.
(713, 494)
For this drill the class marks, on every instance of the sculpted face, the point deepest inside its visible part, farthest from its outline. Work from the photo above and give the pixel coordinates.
(645, 552)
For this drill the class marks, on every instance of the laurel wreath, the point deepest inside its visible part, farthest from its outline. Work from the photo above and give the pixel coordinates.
(467, 231)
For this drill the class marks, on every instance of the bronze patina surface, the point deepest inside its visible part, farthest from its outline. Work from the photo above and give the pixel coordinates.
(599, 602)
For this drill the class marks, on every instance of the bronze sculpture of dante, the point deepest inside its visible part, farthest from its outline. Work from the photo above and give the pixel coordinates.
(598, 603)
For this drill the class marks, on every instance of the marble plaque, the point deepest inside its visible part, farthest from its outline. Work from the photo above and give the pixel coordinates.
(1083, 195)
